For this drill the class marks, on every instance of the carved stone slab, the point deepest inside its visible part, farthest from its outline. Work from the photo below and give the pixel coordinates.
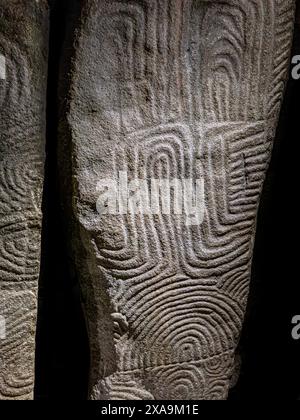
(171, 89)
(23, 81)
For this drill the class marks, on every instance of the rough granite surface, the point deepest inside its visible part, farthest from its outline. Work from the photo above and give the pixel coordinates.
(170, 89)
(23, 81)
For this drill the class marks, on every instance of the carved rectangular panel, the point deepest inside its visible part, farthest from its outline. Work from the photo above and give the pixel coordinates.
(23, 81)
(171, 89)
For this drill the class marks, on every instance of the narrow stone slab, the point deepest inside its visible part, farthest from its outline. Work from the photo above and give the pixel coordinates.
(169, 90)
(23, 81)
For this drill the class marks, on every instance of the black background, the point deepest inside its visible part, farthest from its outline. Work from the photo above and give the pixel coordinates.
(271, 358)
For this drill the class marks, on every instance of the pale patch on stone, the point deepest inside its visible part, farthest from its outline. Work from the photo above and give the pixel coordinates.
(2, 328)
(2, 67)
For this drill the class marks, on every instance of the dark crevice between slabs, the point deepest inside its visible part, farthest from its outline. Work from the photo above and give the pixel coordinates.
(62, 350)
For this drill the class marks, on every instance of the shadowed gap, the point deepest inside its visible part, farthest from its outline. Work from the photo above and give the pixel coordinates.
(62, 355)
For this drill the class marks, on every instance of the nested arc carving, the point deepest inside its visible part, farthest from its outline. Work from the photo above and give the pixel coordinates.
(16, 87)
(16, 378)
(20, 222)
(195, 87)
(22, 100)
(20, 182)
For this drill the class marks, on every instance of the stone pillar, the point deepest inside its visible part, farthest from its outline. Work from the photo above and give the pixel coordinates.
(169, 90)
(23, 81)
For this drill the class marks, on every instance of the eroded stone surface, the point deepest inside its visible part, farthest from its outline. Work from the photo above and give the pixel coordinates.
(171, 89)
(23, 75)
